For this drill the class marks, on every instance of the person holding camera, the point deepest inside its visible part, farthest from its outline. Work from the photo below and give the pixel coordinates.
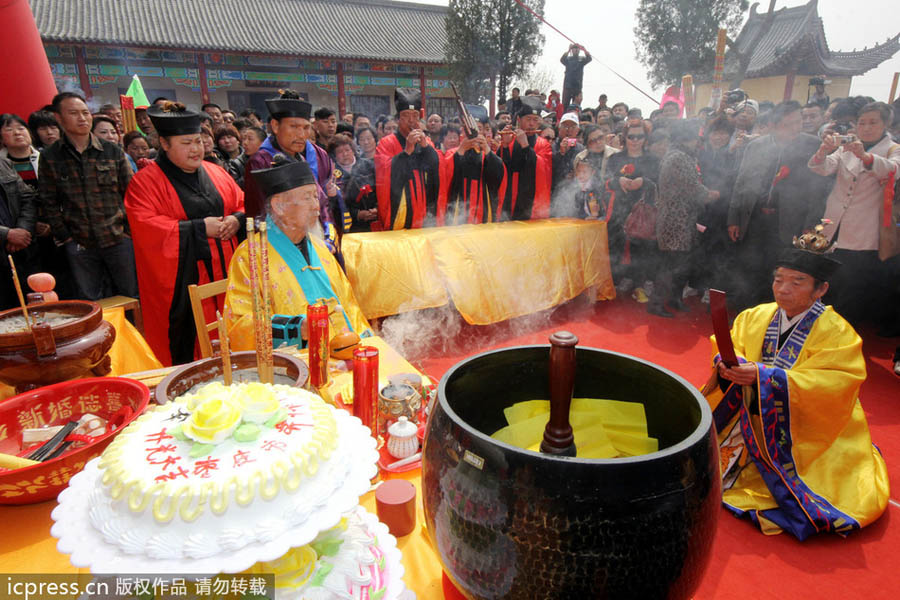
(775, 197)
(865, 164)
(565, 148)
(744, 119)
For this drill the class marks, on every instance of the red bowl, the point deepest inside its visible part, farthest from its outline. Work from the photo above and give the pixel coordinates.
(56, 405)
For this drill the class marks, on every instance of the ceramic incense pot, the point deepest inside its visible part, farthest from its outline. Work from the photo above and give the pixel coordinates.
(72, 343)
(288, 371)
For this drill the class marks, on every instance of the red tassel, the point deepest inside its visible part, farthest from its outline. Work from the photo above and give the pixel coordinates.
(612, 201)
(889, 199)
(626, 258)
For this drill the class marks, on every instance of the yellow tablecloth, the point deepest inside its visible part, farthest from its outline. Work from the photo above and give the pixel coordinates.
(130, 352)
(492, 272)
(390, 362)
(27, 547)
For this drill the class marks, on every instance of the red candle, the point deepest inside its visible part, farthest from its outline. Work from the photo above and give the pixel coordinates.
(365, 386)
(317, 320)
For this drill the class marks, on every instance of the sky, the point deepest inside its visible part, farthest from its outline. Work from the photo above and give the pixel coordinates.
(605, 28)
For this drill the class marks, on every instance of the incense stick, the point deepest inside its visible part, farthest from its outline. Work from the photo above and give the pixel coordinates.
(226, 349)
(267, 308)
(254, 291)
(15, 276)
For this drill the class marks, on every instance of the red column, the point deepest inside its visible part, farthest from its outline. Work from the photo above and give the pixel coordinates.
(789, 85)
(342, 101)
(201, 73)
(82, 73)
(27, 83)
(422, 86)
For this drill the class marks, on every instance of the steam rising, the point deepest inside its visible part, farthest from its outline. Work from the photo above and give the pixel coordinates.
(442, 332)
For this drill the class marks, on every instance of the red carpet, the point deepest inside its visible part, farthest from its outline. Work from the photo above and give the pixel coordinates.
(745, 563)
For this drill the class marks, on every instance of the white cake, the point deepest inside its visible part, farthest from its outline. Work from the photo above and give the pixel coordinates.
(217, 481)
(357, 559)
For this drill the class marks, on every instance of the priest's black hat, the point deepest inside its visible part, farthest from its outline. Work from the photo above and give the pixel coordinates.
(173, 118)
(820, 266)
(288, 104)
(407, 99)
(531, 105)
(284, 175)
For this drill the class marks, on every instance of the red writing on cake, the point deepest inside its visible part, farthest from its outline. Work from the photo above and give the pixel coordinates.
(204, 467)
(158, 437)
(178, 472)
(295, 410)
(270, 445)
(242, 457)
(289, 427)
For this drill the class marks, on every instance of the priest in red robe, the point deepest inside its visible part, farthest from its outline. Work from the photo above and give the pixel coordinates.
(529, 166)
(407, 169)
(473, 178)
(185, 215)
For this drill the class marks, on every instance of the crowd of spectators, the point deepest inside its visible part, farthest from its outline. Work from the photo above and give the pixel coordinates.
(690, 203)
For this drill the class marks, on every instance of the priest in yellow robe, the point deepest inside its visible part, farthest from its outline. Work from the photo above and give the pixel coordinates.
(795, 449)
(302, 271)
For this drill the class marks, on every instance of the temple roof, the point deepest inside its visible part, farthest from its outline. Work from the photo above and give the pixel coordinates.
(797, 40)
(356, 29)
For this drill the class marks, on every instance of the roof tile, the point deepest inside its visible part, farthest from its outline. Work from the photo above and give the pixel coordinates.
(358, 29)
(797, 38)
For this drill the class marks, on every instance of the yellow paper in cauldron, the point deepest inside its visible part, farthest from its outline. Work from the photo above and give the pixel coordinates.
(602, 428)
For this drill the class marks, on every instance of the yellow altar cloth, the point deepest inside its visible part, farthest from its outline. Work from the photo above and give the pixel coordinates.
(390, 362)
(27, 546)
(130, 352)
(492, 272)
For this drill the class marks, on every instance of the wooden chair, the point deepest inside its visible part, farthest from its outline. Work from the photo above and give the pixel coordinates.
(132, 304)
(197, 294)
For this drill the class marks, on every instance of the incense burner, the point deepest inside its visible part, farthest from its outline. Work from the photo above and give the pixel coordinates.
(510, 523)
(55, 351)
(288, 371)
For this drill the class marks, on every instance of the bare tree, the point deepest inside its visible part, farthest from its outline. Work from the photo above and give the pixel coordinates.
(538, 78)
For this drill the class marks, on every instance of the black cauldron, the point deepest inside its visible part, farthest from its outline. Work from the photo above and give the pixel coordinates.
(509, 523)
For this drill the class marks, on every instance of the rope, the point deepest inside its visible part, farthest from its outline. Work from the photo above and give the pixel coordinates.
(616, 73)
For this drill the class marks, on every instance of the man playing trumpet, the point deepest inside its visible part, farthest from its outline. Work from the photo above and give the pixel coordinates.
(407, 169)
(529, 163)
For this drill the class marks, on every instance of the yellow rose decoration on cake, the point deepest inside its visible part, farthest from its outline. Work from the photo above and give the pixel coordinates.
(213, 421)
(258, 403)
(216, 389)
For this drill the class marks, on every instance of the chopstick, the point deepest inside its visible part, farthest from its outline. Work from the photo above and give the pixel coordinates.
(405, 461)
(50, 446)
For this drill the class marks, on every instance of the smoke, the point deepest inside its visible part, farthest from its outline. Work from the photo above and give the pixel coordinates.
(67, 85)
(417, 334)
(442, 332)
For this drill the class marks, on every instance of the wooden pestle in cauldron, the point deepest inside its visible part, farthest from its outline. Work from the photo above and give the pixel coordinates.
(558, 436)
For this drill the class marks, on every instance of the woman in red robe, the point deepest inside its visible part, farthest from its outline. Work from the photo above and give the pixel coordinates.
(185, 216)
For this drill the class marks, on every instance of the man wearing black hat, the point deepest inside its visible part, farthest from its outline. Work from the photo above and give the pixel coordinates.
(301, 268)
(292, 136)
(407, 169)
(529, 163)
(795, 449)
(474, 178)
(185, 214)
